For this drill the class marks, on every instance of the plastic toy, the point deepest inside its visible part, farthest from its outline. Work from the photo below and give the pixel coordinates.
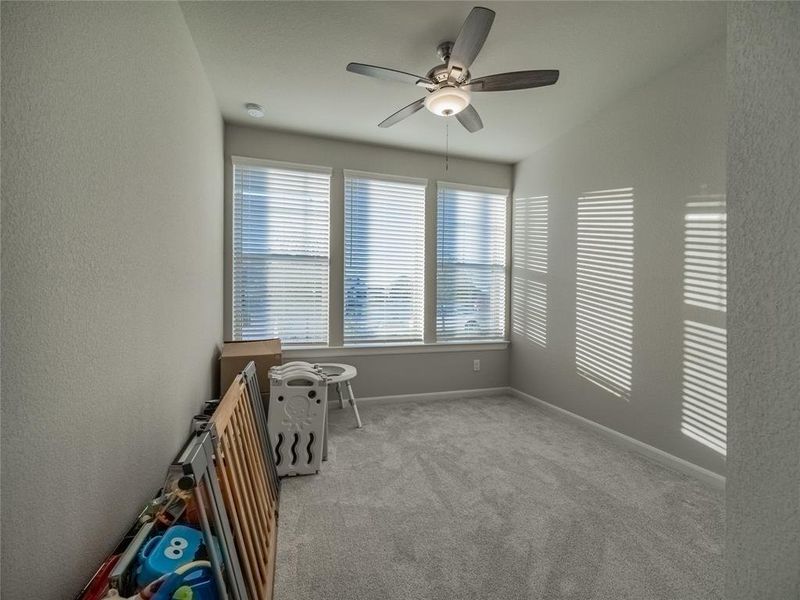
(163, 554)
(192, 581)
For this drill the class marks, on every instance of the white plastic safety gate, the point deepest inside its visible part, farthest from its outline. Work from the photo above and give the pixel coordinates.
(298, 401)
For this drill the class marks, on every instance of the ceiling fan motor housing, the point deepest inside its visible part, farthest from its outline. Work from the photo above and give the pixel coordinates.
(441, 73)
(443, 51)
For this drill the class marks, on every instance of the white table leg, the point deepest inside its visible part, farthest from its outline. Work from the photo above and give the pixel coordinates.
(325, 436)
(339, 392)
(352, 399)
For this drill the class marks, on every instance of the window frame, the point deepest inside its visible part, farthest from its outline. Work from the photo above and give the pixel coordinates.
(336, 194)
(489, 190)
(420, 181)
(244, 161)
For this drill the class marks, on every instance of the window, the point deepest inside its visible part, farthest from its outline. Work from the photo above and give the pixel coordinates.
(384, 259)
(471, 263)
(604, 295)
(280, 252)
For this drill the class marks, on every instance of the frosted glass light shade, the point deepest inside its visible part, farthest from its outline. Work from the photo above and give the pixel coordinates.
(447, 101)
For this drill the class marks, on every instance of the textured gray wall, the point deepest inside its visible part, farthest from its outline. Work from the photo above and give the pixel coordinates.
(399, 374)
(667, 141)
(112, 274)
(763, 489)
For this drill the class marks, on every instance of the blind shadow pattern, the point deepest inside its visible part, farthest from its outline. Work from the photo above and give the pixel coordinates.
(704, 381)
(529, 299)
(704, 412)
(384, 260)
(471, 264)
(604, 289)
(280, 254)
(529, 266)
(705, 254)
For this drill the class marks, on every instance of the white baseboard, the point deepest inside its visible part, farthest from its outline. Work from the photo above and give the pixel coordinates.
(448, 395)
(664, 458)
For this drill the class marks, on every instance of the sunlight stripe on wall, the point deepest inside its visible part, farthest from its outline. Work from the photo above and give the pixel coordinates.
(604, 289)
(529, 267)
(530, 309)
(704, 383)
(704, 269)
(704, 411)
(529, 235)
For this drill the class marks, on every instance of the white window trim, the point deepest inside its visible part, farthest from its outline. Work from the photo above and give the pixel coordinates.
(474, 188)
(277, 164)
(237, 160)
(293, 352)
(384, 177)
(507, 193)
(320, 351)
(423, 182)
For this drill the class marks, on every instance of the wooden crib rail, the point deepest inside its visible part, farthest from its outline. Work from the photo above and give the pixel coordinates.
(250, 497)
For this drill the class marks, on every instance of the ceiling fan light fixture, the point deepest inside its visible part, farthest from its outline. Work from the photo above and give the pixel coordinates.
(447, 101)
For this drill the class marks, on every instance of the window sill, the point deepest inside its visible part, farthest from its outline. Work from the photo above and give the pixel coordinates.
(295, 352)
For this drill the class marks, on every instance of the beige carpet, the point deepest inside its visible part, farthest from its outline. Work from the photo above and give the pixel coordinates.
(492, 498)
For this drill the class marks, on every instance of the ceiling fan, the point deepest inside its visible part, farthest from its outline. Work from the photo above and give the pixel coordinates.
(450, 84)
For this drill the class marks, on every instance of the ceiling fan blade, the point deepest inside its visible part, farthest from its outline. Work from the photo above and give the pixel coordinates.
(519, 80)
(470, 119)
(471, 38)
(385, 73)
(403, 113)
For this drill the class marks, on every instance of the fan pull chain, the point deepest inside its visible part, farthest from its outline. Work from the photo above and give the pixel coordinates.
(447, 144)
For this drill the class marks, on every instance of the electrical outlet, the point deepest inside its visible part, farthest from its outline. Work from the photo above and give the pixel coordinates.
(476, 365)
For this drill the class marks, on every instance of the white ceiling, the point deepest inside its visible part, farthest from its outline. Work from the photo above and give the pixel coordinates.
(290, 57)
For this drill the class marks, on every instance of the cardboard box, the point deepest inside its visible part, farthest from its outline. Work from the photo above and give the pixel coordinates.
(236, 355)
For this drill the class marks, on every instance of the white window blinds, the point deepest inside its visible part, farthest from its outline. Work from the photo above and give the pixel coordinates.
(384, 256)
(471, 263)
(280, 252)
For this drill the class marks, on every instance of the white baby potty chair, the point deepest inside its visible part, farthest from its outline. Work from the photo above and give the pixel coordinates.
(335, 373)
(341, 376)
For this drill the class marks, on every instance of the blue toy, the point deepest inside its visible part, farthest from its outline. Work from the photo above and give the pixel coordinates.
(163, 554)
(197, 576)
